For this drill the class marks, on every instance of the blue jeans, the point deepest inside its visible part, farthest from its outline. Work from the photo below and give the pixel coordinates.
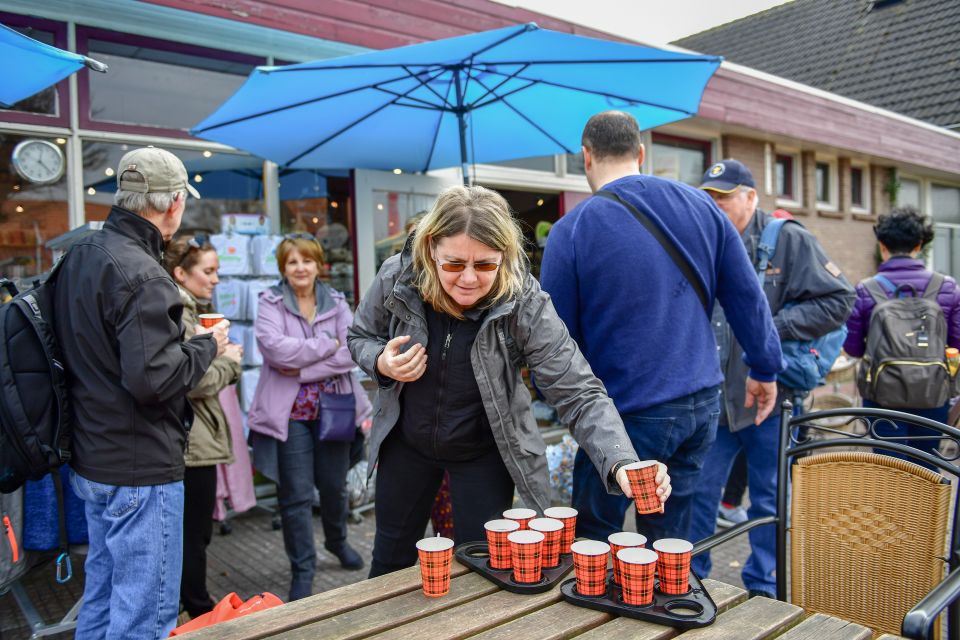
(761, 443)
(912, 432)
(304, 462)
(677, 433)
(132, 587)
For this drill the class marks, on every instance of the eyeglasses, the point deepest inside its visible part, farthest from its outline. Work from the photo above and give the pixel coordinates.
(199, 241)
(459, 267)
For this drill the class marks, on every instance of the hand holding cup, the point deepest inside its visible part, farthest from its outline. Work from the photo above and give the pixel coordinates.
(661, 479)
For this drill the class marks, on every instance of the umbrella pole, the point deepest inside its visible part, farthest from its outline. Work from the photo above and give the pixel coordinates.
(462, 122)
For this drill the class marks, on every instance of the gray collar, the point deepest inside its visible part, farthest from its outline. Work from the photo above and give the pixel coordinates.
(324, 299)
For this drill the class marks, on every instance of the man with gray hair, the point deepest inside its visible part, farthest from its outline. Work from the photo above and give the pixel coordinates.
(118, 322)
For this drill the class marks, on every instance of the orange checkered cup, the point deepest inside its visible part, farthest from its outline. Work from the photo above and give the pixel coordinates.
(497, 543)
(436, 554)
(639, 565)
(673, 565)
(523, 516)
(568, 516)
(526, 555)
(590, 566)
(623, 540)
(552, 531)
(643, 481)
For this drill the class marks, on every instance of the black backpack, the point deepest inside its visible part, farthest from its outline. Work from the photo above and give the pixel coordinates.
(903, 366)
(34, 414)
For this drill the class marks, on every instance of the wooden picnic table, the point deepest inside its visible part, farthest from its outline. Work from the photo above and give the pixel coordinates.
(394, 607)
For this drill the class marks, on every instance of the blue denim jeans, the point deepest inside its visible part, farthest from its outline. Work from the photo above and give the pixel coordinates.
(761, 443)
(677, 433)
(913, 433)
(305, 462)
(132, 587)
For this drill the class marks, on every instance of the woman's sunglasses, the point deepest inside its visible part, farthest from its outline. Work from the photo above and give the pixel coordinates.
(301, 236)
(458, 267)
(199, 241)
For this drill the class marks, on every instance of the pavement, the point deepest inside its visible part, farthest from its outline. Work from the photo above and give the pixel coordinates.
(251, 559)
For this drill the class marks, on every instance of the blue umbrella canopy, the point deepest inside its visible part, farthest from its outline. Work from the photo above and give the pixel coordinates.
(30, 66)
(497, 95)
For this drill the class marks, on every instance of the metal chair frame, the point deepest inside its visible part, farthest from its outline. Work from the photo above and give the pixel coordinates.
(919, 621)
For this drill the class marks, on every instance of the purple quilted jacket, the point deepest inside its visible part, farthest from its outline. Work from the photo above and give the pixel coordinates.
(900, 270)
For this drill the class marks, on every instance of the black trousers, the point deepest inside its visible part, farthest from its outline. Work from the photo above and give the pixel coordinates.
(407, 483)
(737, 482)
(199, 496)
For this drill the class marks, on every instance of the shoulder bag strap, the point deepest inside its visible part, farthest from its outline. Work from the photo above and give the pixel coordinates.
(678, 259)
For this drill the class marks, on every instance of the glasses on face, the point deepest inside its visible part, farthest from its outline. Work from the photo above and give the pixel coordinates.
(458, 267)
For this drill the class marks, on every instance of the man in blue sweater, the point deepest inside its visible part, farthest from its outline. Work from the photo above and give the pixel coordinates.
(642, 324)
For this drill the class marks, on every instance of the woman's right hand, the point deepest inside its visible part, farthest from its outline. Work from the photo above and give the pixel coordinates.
(402, 367)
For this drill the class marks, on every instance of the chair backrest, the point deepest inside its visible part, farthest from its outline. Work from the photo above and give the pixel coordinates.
(869, 534)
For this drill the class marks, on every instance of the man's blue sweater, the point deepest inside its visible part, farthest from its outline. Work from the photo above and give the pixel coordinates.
(634, 314)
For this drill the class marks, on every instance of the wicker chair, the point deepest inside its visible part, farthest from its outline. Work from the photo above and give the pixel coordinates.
(872, 539)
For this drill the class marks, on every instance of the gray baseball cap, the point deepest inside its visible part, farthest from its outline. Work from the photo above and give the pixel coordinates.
(152, 170)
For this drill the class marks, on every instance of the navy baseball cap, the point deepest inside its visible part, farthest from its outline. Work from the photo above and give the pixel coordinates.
(727, 175)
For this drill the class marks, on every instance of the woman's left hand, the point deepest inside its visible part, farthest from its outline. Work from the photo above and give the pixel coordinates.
(664, 488)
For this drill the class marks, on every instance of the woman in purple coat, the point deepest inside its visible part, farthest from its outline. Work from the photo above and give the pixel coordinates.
(301, 331)
(902, 234)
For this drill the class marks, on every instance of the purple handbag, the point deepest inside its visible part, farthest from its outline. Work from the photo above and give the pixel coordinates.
(338, 414)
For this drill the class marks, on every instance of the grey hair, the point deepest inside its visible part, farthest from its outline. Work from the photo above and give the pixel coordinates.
(143, 203)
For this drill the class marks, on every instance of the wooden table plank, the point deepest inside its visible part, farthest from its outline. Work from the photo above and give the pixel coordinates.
(888, 636)
(755, 619)
(381, 616)
(724, 596)
(820, 626)
(317, 607)
(473, 617)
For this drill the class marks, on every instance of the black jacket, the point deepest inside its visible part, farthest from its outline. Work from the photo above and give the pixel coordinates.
(117, 316)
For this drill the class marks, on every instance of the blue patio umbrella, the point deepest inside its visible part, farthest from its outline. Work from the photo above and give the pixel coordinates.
(30, 66)
(497, 95)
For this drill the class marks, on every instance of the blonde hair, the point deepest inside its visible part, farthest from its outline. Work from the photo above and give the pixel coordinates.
(484, 215)
(307, 247)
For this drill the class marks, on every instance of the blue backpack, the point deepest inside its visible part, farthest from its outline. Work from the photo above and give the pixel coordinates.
(808, 361)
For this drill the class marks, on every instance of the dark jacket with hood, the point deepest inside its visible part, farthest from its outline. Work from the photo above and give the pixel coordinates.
(118, 321)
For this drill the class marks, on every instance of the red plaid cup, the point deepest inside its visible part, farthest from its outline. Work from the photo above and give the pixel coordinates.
(623, 540)
(497, 543)
(643, 480)
(526, 555)
(673, 565)
(639, 566)
(568, 516)
(552, 531)
(590, 566)
(436, 554)
(523, 516)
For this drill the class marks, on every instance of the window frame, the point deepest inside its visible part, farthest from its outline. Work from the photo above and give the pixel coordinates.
(85, 34)
(59, 30)
(832, 203)
(704, 144)
(795, 199)
(866, 188)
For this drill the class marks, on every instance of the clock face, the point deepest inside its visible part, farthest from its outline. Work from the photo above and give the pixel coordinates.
(38, 161)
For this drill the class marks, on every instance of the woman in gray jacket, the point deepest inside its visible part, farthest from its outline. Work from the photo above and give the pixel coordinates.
(444, 330)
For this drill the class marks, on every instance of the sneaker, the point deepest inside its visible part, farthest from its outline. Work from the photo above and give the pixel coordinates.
(729, 516)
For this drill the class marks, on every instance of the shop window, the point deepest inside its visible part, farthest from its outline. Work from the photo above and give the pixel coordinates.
(154, 83)
(680, 159)
(909, 193)
(45, 107)
(786, 183)
(575, 164)
(33, 202)
(228, 183)
(535, 163)
(393, 216)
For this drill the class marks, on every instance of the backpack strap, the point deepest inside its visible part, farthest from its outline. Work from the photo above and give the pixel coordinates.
(877, 287)
(933, 286)
(768, 247)
(678, 258)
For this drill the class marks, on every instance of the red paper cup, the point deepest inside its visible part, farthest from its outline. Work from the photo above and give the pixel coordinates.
(523, 516)
(526, 555)
(497, 543)
(643, 481)
(568, 516)
(436, 554)
(590, 566)
(209, 319)
(552, 531)
(673, 565)
(623, 540)
(639, 565)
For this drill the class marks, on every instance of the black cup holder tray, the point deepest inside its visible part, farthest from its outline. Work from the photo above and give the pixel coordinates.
(687, 611)
(476, 556)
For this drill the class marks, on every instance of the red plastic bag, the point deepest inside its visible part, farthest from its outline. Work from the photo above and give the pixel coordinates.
(230, 607)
